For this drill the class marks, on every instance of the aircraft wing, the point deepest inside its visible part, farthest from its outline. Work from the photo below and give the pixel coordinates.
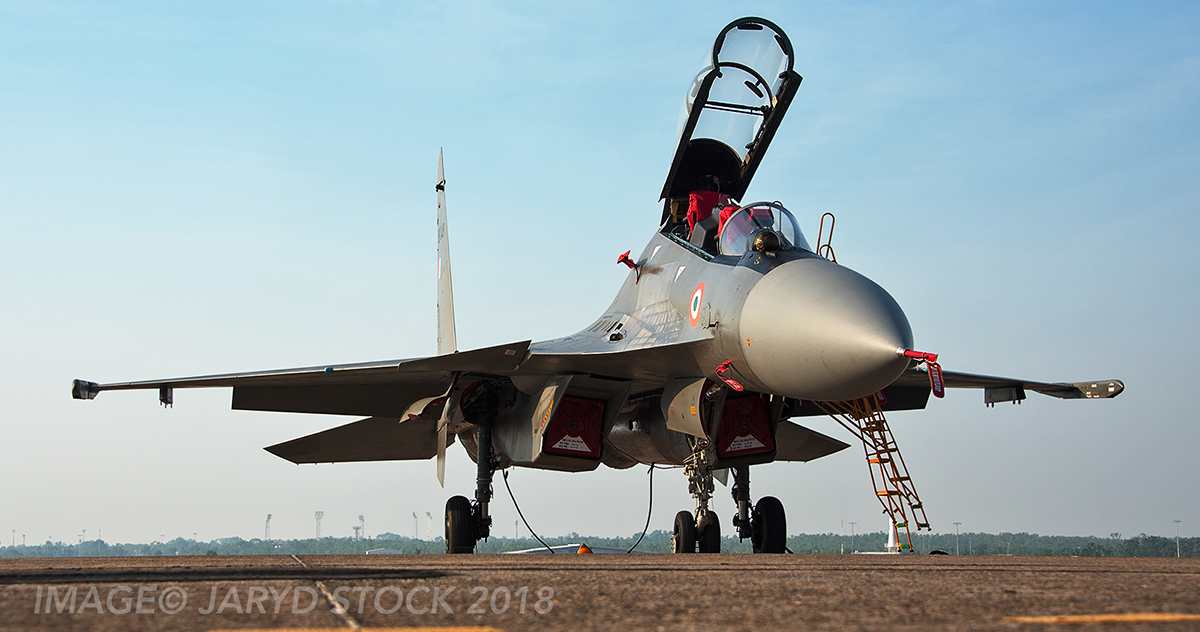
(387, 388)
(1004, 389)
(377, 389)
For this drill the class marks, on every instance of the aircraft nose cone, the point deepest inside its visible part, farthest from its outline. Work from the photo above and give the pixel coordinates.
(812, 329)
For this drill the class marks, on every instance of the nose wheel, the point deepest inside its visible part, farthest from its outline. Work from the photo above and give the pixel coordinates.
(683, 540)
(708, 533)
(690, 535)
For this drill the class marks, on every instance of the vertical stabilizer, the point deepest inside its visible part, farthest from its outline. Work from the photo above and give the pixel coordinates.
(446, 342)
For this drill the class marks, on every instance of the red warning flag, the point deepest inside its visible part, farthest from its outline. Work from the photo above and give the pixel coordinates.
(935, 379)
(724, 368)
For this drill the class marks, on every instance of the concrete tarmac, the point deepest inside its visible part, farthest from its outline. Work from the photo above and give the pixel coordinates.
(600, 592)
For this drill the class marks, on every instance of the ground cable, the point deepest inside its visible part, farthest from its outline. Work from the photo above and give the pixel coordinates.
(518, 507)
(649, 510)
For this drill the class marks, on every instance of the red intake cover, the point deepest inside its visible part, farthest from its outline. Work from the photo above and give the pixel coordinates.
(575, 429)
(745, 428)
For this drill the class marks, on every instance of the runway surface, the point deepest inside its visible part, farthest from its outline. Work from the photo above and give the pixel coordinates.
(601, 592)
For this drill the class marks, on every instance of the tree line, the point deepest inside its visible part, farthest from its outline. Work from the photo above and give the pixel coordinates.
(1141, 545)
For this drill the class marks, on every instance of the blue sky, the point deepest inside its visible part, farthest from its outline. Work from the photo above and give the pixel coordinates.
(188, 188)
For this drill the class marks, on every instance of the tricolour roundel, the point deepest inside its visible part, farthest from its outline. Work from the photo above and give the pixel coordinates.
(697, 301)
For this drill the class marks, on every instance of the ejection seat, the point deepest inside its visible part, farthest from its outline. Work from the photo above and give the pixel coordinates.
(704, 234)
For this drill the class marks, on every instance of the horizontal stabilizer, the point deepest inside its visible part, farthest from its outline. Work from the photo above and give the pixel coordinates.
(797, 443)
(376, 400)
(371, 439)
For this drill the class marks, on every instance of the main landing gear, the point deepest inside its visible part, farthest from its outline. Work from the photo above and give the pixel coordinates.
(468, 522)
(765, 524)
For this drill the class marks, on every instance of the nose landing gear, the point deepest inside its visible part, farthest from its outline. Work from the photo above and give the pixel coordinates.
(765, 523)
(703, 529)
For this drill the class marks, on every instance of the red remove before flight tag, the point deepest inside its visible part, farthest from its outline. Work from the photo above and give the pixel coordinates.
(724, 368)
(637, 270)
(935, 379)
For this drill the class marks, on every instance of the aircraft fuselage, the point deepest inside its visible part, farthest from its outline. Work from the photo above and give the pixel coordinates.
(785, 325)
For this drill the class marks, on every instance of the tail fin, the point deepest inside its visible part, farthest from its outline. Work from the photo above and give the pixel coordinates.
(446, 342)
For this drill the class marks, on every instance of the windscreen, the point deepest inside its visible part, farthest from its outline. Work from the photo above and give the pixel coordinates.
(750, 220)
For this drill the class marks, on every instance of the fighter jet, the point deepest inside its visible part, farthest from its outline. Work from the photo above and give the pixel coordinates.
(728, 325)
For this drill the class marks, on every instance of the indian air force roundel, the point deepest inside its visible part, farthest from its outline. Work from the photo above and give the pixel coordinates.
(697, 301)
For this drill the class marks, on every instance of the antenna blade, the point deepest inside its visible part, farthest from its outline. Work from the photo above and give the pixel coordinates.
(446, 342)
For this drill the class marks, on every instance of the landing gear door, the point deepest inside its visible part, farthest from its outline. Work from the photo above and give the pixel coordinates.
(683, 406)
(733, 109)
(548, 400)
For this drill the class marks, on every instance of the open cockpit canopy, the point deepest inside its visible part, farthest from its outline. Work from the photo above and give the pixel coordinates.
(731, 113)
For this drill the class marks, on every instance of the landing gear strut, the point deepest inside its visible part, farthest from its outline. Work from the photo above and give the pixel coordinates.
(741, 495)
(486, 468)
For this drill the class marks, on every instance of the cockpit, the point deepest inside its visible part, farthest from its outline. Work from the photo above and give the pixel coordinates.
(760, 227)
(731, 113)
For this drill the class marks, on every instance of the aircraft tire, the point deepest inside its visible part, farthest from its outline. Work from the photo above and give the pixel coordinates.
(769, 526)
(684, 538)
(708, 533)
(460, 526)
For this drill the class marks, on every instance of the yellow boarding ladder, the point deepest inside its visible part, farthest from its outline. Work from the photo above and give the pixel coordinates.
(893, 486)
